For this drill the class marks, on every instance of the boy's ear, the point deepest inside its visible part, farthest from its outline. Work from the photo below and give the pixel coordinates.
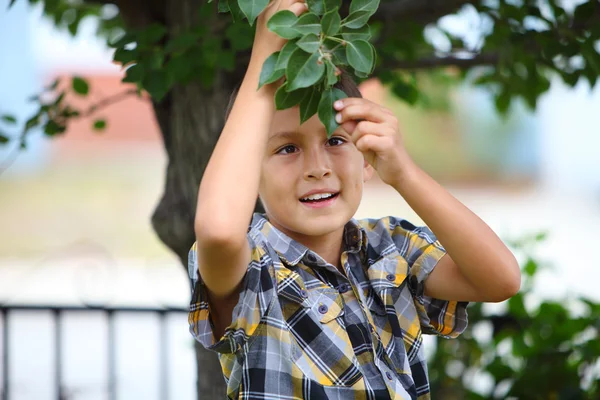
(368, 171)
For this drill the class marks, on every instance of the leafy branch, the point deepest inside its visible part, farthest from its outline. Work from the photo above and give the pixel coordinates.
(53, 115)
(320, 43)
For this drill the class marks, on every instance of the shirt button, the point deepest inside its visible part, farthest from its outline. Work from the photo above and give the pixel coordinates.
(390, 277)
(388, 375)
(304, 293)
(323, 309)
(311, 258)
(344, 288)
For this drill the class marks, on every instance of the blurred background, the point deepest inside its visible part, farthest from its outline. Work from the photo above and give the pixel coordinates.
(75, 215)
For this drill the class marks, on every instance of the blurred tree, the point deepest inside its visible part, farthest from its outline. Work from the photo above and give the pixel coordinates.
(189, 58)
(533, 349)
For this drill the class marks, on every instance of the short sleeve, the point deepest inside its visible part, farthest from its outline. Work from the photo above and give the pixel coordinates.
(422, 251)
(256, 296)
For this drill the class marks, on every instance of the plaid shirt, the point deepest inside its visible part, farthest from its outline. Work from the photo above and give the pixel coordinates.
(303, 330)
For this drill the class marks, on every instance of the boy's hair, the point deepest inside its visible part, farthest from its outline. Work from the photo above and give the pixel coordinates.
(346, 84)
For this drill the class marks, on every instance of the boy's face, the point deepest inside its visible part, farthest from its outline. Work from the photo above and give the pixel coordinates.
(299, 160)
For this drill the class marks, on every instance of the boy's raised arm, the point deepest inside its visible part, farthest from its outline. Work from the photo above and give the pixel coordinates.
(229, 187)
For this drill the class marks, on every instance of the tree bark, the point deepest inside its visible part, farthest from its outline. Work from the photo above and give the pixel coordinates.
(191, 118)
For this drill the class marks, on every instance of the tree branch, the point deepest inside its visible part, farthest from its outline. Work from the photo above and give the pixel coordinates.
(115, 98)
(424, 11)
(435, 62)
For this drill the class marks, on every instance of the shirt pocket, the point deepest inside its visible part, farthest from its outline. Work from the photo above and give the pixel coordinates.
(321, 348)
(392, 308)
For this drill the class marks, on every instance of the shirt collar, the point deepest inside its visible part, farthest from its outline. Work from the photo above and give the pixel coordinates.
(292, 252)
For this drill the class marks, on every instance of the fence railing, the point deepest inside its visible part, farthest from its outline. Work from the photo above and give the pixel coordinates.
(57, 313)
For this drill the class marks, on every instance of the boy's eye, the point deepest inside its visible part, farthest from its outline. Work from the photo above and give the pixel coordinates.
(336, 141)
(288, 149)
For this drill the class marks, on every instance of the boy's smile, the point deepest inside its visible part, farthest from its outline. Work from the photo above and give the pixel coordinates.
(319, 198)
(311, 186)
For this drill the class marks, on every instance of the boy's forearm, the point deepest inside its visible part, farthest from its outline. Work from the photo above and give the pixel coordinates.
(481, 256)
(229, 187)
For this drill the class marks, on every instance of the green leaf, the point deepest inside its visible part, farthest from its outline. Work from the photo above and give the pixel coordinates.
(182, 42)
(303, 69)
(530, 267)
(285, 99)
(53, 128)
(53, 85)
(332, 78)
(362, 75)
(405, 91)
(363, 33)
(502, 101)
(369, 6)
(326, 110)
(125, 56)
(135, 73)
(309, 105)
(152, 34)
(360, 55)
(236, 12)
(269, 73)
(540, 237)
(331, 22)
(9, 119)
(156, 84)
(123, 40)
(3, 138)
(339, 56)
(331, 4)
(80, 86)
(356, 19)
(282, 24)
(309, 43)
(99, 125)
(251, 8)
(32, 122)
(223, 6)
(308, 23)
(285, 53)
(316, 6)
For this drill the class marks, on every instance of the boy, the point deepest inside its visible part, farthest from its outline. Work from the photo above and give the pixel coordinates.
(309, 303)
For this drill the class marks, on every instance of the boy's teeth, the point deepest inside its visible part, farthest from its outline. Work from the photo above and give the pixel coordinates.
(318, 196)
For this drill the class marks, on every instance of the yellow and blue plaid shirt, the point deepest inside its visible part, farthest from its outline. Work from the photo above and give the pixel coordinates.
(303, 330)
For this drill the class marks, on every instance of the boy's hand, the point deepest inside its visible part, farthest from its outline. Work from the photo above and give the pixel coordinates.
(375, 132)
(265, 41)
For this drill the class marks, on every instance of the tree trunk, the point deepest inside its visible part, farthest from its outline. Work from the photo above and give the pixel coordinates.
(190, 118)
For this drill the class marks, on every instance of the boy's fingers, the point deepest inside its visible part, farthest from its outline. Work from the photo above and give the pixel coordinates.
(298, 7)
(349, 126)
(348, 101)
(365, 128)
(376, 144)
(363, 111)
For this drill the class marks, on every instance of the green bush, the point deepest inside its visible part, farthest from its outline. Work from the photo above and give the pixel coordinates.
(534, 349)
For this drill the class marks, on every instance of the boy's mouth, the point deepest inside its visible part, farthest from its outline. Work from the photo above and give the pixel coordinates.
(319, 199)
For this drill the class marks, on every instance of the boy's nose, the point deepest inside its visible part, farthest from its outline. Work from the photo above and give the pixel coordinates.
(317, 166)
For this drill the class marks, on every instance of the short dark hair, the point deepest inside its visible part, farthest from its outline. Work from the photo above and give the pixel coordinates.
(346, 84)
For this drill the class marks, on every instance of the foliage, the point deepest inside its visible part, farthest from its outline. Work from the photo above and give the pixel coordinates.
(546, 351)
(320, 41)
(521, 45)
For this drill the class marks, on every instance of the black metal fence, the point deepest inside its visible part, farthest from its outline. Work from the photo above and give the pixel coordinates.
(57, 313)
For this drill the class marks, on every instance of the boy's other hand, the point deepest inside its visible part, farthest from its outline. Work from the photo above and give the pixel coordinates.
(376, 133)
(265, 41)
